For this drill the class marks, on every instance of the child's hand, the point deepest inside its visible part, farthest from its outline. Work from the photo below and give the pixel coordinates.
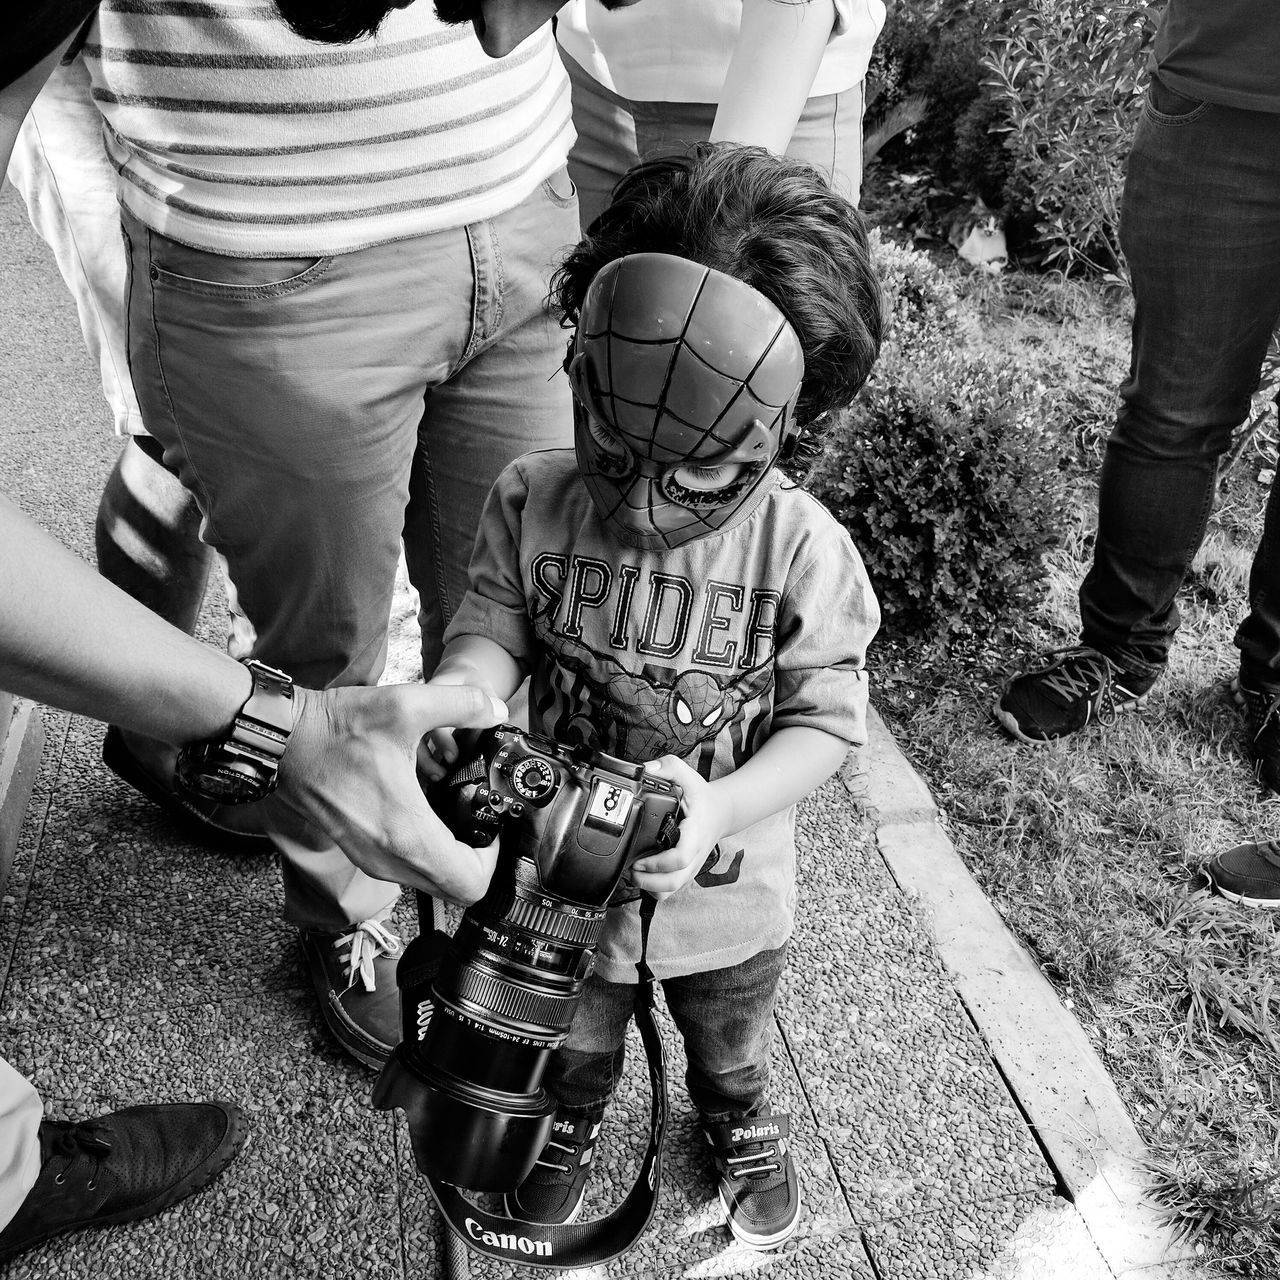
(704, 822)
(436, 755)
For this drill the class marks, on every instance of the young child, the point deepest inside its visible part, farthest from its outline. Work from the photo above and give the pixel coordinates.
(675, 600)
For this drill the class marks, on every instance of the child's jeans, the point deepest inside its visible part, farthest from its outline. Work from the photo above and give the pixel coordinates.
(724, 1016)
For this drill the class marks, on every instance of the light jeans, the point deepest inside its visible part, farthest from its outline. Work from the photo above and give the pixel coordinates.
(615, 132)
(20, 1115)
(321, 408)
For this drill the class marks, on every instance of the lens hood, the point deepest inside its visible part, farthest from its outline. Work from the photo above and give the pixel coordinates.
(471, 1141)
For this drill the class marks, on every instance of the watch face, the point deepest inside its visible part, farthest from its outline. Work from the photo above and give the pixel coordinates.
(233, 783)
(221, 780)
(242, 765)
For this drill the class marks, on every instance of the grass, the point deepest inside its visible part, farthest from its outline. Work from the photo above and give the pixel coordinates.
(1091, 849)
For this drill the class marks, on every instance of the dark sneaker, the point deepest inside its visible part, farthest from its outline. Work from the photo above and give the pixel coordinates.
(1248, 874)
(554, 1190)
(758, 1185)
(1261, 703)
(354, 975)
(122, 1166)
(1080, 685)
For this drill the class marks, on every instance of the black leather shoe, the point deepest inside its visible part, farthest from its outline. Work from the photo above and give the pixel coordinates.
(354, 974)
(197, 820)
(122, 1166)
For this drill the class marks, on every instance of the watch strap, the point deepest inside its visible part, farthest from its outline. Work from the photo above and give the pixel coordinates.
(243, 764)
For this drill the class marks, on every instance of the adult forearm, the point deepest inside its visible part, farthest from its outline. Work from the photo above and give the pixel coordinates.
(70, 639)
(770, 75)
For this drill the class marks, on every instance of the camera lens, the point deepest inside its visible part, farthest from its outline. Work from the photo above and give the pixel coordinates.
(484, 1011)
(503, 1001)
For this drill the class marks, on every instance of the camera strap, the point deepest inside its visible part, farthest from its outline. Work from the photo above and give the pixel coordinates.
(581, 1244)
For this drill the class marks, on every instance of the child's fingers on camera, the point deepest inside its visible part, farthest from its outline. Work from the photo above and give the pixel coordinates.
(672, 768)
(659, 886)
(660, 863)
(442, 745)
(428, 766)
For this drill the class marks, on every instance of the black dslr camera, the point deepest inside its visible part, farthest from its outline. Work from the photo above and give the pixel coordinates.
(483, 1011)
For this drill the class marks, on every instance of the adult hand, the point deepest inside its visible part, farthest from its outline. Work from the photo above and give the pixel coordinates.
(704, 821)
(351, 770)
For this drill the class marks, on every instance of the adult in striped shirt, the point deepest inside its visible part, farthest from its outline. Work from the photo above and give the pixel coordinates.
(64, 1176)
(338, 334)
(339, 262)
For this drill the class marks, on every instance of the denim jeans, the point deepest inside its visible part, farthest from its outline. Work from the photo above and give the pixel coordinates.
(724, 1016)
(1200, 227)
(615, 132)
(303, 401)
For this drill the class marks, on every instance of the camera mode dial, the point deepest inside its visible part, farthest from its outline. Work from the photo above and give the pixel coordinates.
(533, 778)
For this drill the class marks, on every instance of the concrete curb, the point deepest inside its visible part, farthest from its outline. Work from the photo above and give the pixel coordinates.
(21, 744)
(1050, 1068)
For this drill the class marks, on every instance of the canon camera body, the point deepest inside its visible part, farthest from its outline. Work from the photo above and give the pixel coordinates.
(484, 1010)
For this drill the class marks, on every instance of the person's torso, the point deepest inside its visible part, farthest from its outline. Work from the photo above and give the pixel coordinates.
(679, 50)
(233, 134)
(1223, 51)
(643, 653)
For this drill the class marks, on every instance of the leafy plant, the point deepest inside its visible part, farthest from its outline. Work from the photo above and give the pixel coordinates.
(942, 470)
(899, 118)
(1067, 75)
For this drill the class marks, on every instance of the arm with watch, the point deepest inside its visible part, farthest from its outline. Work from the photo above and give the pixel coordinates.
(342, 760)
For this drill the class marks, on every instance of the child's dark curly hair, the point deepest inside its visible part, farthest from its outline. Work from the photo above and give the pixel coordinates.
(771, 222)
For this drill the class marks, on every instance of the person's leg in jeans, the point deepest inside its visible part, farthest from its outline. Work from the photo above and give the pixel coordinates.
(1201, 232)
(581, 1076)
(1200, 227)
(584, 1072)
(288, 397)
(725, 1018)
(508, 396)
(291, 397)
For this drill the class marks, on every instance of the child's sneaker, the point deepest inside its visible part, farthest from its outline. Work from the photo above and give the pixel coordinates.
(554, 1190)
(758, 1185)
(1079, 685)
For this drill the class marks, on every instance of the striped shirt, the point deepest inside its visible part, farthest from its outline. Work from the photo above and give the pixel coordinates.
(232, 134)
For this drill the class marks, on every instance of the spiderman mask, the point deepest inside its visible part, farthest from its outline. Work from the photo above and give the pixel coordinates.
(685, 382)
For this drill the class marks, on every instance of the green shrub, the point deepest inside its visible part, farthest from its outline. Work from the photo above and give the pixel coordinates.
(1066, 77)
(930, 49)
(942, 470)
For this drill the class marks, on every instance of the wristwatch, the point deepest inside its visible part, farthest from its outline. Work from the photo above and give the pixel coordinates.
(242, 764)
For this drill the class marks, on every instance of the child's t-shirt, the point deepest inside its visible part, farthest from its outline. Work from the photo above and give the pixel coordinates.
(703, 651)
